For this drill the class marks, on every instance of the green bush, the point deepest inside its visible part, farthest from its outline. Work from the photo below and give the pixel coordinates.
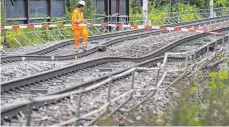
(160, 16)
(214, 109)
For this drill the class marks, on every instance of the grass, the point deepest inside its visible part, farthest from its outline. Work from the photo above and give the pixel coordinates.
(11, 35)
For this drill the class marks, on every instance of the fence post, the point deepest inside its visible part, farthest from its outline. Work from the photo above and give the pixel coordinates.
(109, 94)
(228, 61)
(156, 78)
(186, 61)
(207, 48)
(223, 40)
(227, 38)
(194, 60)
(132, 84)
(78, 106)
(79, 102)
(215, 49)
(29, 111)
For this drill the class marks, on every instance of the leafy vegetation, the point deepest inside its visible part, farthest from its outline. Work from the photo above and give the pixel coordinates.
(159, 16)
(201, 4)
(159, 11)
(213, 109)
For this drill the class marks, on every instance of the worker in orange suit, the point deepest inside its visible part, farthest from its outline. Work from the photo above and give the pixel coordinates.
(77, 18)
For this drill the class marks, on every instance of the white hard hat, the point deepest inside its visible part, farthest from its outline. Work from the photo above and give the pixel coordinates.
(81, 2)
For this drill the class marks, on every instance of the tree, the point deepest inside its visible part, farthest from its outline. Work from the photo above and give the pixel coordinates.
(222, 3)
(89, 11)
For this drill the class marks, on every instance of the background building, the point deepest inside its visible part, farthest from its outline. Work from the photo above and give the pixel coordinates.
(30, 11)
(113, 8)
(33, 11)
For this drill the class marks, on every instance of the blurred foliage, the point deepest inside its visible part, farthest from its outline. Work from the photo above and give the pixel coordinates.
(221, 3)
(185, 10)
(160, 16)
(220, 77)
(213, 112)
(201, 4)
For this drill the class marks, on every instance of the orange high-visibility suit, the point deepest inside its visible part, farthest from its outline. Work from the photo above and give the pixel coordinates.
(77, 18)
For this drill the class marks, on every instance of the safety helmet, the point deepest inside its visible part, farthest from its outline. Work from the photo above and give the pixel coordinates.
(81, 2)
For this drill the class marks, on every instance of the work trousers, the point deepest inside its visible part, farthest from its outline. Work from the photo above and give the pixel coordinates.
(77, 34)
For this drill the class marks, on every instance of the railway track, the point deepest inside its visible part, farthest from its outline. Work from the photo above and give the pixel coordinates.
(13, 71)
(50, 47)
(123, 50)
(10, 111)
(68, 50)
(145, 80)
(141, 59)
(64, 81)
(156, 104)
(111, 59)
(126, 52)
(11, 85)
(128, 48)
(65, 107)
(25, 68)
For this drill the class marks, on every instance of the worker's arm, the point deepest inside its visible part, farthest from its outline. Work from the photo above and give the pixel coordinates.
(76, 19)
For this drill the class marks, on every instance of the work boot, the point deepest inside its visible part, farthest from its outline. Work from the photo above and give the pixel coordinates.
(84, 48)
(76, 49)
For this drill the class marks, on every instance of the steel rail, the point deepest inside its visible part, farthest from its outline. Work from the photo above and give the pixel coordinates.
(22, 106)
(64, 43)
(35, 55)
(72, 68)
(72, 56)
(29, 80)
(10, 111)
